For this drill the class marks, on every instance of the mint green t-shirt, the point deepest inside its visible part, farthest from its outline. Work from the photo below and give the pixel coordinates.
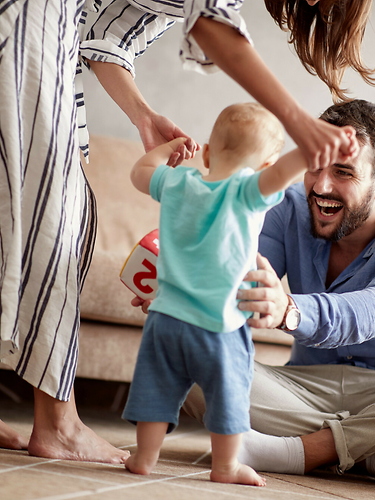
(208, 241)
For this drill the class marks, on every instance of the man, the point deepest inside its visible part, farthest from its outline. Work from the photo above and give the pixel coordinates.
(323, 237)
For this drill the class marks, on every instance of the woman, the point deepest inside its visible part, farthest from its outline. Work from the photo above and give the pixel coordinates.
(47, 222)
(327, 36)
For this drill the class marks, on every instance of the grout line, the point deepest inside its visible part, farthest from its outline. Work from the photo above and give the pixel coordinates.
(80, 477)
(196, 462)
(266, 489)
(99, 491)
(180, 462)
(309, 495)
(20, 467)
(209, 490)
(126, 446)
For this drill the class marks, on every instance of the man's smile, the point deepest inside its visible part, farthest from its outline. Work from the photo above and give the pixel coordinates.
(328, 208)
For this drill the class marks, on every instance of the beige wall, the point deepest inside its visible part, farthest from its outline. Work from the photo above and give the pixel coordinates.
(193, 101)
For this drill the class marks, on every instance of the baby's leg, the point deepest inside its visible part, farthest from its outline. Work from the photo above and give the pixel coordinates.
(225, 466)
(150, 436)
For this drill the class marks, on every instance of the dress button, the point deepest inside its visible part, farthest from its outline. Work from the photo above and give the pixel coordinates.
(349, 357)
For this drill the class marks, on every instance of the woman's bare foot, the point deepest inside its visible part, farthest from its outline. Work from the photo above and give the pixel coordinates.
(74, 442)
(10, 439)
(59, 433)
(239, 474)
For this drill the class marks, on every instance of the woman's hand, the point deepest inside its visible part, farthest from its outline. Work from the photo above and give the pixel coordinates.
(322, 143)
(155, 129)
(269, 298)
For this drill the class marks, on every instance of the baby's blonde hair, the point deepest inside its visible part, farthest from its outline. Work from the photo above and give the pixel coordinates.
(245, 129)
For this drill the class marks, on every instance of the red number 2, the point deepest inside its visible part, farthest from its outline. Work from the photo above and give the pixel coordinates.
(150, 274)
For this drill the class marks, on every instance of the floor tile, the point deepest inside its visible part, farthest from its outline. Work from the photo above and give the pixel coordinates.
(182, 472)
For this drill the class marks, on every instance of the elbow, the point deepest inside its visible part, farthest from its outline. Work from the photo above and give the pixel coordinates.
(134, 177)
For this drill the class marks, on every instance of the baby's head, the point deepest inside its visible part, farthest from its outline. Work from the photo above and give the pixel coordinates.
(247, 130)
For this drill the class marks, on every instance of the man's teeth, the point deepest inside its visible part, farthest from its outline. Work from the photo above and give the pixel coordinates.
(326, 205)
(329, 204)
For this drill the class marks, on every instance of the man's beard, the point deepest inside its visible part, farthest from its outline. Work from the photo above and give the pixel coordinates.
(352, 220)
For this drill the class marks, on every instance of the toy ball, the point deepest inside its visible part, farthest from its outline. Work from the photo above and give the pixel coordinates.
(139, 271)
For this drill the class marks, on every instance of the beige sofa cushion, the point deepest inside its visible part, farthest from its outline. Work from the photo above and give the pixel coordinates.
(124, 216)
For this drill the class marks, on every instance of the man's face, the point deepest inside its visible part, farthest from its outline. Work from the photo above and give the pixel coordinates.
(341, 197)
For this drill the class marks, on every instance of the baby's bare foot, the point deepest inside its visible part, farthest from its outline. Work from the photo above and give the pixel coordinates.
(138, 465)
(239, 474)
(11, 439)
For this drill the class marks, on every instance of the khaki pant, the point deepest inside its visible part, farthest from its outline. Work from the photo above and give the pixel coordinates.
(298, 400)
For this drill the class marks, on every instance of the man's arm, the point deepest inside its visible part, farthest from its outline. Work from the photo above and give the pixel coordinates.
(145, 167)
(343, 316)
(331, 320)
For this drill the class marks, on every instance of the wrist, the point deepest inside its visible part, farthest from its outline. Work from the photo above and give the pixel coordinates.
(291, 318)
(141, 115)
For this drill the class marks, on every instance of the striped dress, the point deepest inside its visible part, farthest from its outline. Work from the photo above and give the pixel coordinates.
(47, 211)
(126, 28)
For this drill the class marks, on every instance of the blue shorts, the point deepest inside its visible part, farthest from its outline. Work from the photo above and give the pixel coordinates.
(173, 355)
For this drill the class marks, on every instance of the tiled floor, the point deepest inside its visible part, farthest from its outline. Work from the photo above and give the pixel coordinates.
(182, 473)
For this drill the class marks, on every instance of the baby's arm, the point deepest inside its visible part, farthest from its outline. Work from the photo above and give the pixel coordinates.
(144, 168)
(283, 173)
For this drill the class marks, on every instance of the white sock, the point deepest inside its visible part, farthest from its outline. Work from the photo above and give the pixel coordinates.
(370, 465)
(266, 453)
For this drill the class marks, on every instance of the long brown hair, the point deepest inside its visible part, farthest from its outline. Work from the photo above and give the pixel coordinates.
(327, 37)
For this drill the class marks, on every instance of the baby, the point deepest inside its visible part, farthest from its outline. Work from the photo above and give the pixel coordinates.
(195, 332)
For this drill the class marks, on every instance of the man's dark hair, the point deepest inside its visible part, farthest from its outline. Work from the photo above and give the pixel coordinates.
(360, 115)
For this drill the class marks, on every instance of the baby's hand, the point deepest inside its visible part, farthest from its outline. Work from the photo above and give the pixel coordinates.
(183, 149)
(143, 304)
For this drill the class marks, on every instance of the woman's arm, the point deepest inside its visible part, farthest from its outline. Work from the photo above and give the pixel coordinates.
(153, 128)
(287, 170)
(321, 143)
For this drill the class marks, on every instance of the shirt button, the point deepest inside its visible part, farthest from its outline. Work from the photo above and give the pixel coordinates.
(349, 357)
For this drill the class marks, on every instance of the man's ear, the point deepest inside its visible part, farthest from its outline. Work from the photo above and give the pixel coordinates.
(206, 156)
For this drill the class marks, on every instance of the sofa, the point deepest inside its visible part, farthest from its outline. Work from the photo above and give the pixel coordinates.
(111, 328)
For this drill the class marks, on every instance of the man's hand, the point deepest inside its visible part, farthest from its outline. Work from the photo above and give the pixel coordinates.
(156, 129)
(269, 299)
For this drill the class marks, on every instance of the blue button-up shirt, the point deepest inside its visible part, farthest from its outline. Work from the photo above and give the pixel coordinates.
(338, 322)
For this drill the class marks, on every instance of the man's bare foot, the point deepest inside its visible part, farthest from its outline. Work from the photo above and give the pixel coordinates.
(138, 466)
(10, 439)
(239, 474)
(59, 433)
